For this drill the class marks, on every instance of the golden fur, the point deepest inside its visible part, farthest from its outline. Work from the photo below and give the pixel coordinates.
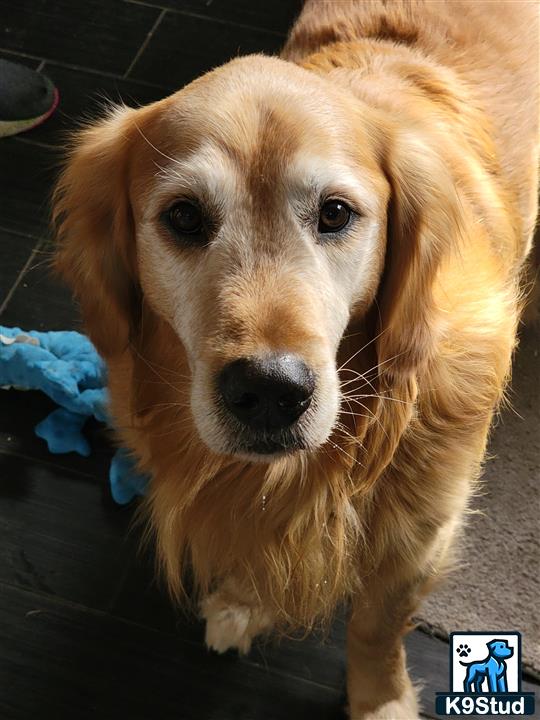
(432, 108)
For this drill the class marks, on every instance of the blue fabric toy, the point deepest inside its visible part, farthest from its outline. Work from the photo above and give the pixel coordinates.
(66, 366)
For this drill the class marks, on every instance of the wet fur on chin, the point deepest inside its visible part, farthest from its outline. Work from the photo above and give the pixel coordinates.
(382, 498)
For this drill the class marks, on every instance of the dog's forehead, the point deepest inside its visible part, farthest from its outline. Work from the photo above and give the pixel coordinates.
(258, 110)
(257, 133)
(240, 132)
(260, 145)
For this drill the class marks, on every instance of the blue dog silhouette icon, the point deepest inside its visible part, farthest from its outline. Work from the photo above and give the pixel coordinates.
(493, 668)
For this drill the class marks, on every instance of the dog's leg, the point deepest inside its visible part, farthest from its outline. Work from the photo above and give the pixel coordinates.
(468, 684)
(479, 681)
(492, 679)
(377, 679)
(233, 618)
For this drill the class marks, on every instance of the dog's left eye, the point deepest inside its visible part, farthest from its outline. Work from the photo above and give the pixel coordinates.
(334, 216)
(186, 218)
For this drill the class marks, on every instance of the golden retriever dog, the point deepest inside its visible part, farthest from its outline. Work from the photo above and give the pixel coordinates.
(304, 275)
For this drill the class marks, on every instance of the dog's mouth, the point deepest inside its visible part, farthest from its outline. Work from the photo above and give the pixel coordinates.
(265, 446)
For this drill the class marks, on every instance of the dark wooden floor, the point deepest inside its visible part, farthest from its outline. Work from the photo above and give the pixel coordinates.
(84, 630)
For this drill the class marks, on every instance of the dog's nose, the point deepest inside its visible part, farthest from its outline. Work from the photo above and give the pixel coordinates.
(267, 393)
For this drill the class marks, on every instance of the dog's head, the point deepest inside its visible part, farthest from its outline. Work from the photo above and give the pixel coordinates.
(500, 649)
(257, 212)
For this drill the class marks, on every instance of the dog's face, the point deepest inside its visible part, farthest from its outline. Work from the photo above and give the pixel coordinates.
(250, 211)
(500, 649)
(260, 231)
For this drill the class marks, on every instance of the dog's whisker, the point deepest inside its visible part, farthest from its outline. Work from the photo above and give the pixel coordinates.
(379, 397)
(167, 370)
(375, 368)
(362, 348)
(338, 447)
(158, 407)
(156, 373)
(168, 157)
(345, 431)
(349, 370)
(170, 371)
(174, 428)
(360, 377)
(365, 375)
(357, 379)
(355, 334)
(371, 415)
(344, 452)
(353, 414)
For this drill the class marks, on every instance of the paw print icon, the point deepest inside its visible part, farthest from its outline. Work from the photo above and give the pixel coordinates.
(463, 650)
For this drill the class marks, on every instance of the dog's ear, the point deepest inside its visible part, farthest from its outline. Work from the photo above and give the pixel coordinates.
(94, 229)
(425, 224)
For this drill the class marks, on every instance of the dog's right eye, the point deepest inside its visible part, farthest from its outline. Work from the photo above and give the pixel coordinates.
(334, 216)
(186, 219)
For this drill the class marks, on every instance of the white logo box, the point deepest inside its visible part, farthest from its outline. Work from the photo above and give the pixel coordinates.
(477, 644)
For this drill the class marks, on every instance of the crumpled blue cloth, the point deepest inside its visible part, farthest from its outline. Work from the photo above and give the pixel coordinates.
(66, 367)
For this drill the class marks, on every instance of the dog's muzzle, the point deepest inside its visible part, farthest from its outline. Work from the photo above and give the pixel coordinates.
(267, 396)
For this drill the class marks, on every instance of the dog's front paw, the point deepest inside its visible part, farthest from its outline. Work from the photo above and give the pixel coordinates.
(226, 626)
(230, 625)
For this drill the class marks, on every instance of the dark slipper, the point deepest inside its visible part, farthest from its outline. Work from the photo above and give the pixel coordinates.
(27, 98)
